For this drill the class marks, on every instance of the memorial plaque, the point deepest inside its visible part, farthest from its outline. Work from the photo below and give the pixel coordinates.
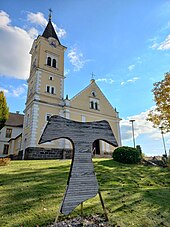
(82, 183)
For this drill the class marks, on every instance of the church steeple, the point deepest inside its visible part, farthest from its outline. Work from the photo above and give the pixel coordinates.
(49, 30)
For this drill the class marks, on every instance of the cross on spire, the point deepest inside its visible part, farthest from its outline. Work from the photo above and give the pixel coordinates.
(92, 76)
(50, 11)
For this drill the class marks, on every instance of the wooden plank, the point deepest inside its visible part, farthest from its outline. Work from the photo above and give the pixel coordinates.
(82, 182)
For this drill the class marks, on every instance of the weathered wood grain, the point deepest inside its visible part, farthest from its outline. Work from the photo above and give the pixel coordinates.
(82, 182)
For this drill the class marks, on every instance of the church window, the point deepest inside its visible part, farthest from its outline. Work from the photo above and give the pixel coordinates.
(48, 116)
(52, 90)
(49, 61)
(92, 105)
(6, 148)
(54, 63)
(50, 78)
(96, 105)
(48, 89)
(8, 132)
(93, 93)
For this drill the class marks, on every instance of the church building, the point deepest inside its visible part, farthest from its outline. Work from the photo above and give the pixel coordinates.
(45, 98)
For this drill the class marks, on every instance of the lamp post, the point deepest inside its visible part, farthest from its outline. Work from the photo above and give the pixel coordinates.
(133, 132)
(161, 128)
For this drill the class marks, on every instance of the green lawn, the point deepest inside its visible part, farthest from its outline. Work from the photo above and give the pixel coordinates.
(134, 195)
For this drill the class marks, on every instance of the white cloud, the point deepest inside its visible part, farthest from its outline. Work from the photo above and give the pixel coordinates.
(131, 67)
(165, 45)
(132, 80)
(66, 72)
(141, 127)
(19, 91)
(39, 19)
(33, 33)
(4, 19)
(4, 90)
(154, 42)
(76, 58)
(154, 45)
(15, 44)
(106, 80)
(60, 32)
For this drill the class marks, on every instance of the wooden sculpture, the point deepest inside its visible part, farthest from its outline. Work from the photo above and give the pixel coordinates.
(82, 183)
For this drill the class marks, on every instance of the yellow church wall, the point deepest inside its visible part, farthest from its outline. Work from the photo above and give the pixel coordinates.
(78, 115)
(82, 101)
(80, 106)
(55, 82)
(58, 52)
(45, 109)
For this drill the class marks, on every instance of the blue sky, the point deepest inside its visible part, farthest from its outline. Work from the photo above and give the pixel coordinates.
(126, 44)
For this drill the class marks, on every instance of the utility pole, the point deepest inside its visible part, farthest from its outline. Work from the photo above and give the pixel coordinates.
(161, 128)
(133, 135)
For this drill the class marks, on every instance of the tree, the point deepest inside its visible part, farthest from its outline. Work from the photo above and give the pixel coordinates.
(4, 110)
(160, 116)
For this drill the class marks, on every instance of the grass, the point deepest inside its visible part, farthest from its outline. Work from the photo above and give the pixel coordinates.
(31, 193)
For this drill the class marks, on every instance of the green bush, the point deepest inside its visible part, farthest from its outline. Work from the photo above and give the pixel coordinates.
(128, 155)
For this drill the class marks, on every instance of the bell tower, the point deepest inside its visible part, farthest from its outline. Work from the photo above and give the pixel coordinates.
(45, 96)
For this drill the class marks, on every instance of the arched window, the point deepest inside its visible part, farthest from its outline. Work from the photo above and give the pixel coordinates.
(52, 90)
(49, 61)
(93, 93)
(96, 105)
(48, 89)
(54, 63)
(91, 105)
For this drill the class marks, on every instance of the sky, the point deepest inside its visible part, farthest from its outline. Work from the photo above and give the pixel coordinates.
(125, 44)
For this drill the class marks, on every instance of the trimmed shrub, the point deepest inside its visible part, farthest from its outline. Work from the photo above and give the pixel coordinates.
(128, 155)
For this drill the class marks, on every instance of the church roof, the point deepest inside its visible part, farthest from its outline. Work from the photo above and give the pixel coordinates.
(50, 31)
(15, 120)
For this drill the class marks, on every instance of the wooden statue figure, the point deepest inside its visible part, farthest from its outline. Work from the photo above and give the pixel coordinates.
(82, 183)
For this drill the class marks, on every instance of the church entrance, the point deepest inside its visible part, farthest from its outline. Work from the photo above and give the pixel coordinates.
(96, 147)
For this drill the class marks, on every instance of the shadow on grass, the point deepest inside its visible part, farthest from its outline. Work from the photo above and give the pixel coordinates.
(30, 191)
(126, 189)
(131, 188)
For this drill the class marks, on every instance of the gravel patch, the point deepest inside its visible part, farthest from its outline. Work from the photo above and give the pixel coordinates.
(91, 221)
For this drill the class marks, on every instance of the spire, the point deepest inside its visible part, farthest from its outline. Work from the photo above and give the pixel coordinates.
(49, 17)
(49, 30)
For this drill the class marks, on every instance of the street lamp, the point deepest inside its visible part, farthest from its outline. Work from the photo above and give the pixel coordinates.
(133, 132)
(161, 128)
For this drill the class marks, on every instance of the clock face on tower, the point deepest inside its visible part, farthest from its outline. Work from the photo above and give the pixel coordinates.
(52, 43)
